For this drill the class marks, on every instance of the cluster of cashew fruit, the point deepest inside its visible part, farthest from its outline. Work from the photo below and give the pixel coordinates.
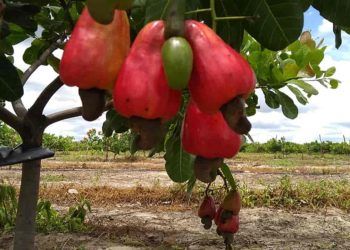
(226, 216)
(146, 83)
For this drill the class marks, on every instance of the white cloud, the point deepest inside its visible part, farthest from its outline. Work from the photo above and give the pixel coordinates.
(325, 27)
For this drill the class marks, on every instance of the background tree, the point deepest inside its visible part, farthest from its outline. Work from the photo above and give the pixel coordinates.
(258, 27)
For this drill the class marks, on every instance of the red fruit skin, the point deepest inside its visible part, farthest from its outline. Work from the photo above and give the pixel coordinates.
(208, 135)
(219, 72)
(217, 215)
(94, 54)
(207, 208)
(230, 225)
(141, 88)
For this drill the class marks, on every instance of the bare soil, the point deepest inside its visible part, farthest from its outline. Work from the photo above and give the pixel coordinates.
(134, 226)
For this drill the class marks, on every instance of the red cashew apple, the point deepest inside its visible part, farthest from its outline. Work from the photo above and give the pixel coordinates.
(207, 211)
(208, 135)
(94, 54)
(141, 89)
(230, 225)
(207, 208)
(219, 73)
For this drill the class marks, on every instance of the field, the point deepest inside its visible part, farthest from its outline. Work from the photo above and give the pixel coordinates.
(290, 202)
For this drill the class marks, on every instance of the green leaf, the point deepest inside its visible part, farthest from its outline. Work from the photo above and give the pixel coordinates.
(107, 129)
(155, 10)
(271, 99)
(117, 122)
(316, 56)
(17, 34)
(191, 183)
(290, 70)
(289, 109)
(231, 32)
(228, 175)
(35, 2)
(6, 47)
(22, 15)
(306, 4)
(336, 11)
(277, 23)
(252, 103)
(10, 84)
(306, 87)
(4, 29)
(32, 53)
(277, 75)
(301, 56)
(334, 83)
(300, 97)
(178, 163)
(346, 29)
(137, 14)
(54, 62)
(330, 72)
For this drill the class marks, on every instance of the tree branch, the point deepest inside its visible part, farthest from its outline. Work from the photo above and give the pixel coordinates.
(43, 57)
(70, 113)
(19, 108)
(63, 115)
(45, 96)
(11, 120)
(18, 105)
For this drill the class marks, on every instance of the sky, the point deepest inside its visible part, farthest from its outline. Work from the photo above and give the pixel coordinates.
(326, 115)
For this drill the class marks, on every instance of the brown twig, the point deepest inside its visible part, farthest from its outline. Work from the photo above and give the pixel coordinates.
(45, 96)
(19, 108)
(43, 57)
(70, 113)
(11, 120)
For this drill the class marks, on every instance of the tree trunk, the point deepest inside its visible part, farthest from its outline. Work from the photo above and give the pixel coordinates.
(27, 204)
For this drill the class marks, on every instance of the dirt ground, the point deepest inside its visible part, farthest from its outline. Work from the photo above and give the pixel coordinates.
(132, 226)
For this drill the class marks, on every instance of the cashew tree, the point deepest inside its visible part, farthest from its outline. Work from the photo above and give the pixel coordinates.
(192, 66)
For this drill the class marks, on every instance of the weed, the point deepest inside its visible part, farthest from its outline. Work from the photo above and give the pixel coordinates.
(48, 219)
(8, 207)
(53, 178)
(285, 195)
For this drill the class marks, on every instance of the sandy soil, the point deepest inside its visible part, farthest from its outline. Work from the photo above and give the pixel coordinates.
(151, 172)
(131, 226)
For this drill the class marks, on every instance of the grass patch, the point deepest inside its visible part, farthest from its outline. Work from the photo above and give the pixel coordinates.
(276, 160)
(305, 194)
(53, 178)
(48, 219)
(312, 195)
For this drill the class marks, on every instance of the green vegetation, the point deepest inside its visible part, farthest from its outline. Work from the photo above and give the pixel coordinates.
(309, 195)
(285, 147)
(48, 219)
(304, 194)
(8, 136)
(95, 142)
(285, 162)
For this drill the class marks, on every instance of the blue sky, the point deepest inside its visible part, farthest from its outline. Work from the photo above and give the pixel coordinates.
(326, 114)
